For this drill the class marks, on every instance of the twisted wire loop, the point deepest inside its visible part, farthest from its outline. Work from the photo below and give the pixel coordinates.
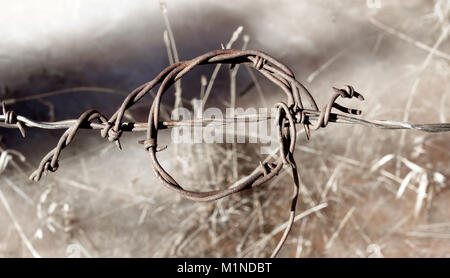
(348, 92)
(50, 162)
(289, 114)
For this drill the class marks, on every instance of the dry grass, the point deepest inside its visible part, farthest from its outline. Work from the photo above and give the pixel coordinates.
(365, 193)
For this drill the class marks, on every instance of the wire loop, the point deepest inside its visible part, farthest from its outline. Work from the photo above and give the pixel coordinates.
(288, 114)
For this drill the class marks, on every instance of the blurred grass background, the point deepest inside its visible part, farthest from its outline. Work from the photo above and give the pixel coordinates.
(364, 192)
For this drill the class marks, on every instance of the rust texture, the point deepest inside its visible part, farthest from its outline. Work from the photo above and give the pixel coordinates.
(290, 113)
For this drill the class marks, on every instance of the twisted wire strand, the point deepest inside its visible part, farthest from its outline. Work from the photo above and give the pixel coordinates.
(288, 115)
(50, 162)
(308, 114)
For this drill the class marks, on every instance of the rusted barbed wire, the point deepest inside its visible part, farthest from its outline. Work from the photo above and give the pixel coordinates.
(310, 115)
(289, 113)
(10, 118)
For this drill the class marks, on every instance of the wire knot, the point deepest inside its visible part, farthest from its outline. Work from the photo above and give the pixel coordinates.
(259, 62)
(11, 119)
(51, 167)
(151, 143)
(112, 134)
(297, 114)
(348, 92)
(267, 167)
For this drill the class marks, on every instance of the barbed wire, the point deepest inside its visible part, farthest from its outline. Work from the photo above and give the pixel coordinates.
(288, 115)
(202, 122)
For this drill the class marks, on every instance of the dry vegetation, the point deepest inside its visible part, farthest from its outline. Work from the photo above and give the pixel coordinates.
(364, 192)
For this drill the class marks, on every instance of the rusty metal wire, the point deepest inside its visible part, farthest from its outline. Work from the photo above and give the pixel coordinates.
(289, 114)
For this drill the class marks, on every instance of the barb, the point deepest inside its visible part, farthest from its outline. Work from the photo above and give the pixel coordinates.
(309, 114)
(10, 118)
(289, 114)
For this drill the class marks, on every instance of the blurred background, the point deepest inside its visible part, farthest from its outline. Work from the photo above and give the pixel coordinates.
(364, 192)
